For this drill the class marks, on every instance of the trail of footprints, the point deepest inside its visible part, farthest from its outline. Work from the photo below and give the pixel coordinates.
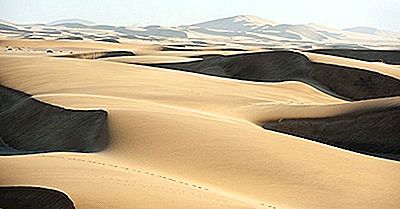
(127, 183)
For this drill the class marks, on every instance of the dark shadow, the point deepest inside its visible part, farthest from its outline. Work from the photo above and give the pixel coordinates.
(21, 197)
(374, 132)
(29, 126)
(347, 83)
(98, 55)
(385, 56)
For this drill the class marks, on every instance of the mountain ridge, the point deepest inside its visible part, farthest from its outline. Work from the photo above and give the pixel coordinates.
(231, 30)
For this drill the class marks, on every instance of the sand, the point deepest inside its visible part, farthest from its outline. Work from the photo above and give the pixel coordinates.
(341, 81)
(185, 140)
(384, 56)
(373, 130)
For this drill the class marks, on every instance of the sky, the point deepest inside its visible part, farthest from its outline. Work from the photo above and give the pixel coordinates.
(382, 14)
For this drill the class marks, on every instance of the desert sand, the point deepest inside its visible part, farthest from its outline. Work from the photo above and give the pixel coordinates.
(182, 137)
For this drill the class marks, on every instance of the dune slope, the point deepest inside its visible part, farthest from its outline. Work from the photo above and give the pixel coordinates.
(30, 126)
(19, 197)
(386, 56)
(340, 81)
(373, 131)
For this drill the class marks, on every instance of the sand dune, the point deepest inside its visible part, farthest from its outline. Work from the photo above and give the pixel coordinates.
(385, 56)
(180, 139)
(372, 131)
(382, 68)
(340, 81)
(40, 46)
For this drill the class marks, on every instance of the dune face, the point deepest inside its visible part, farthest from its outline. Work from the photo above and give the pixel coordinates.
(20, 197)
(371, 131)
(340, 81)
(30, 126)
(354, 84)
(385, 56)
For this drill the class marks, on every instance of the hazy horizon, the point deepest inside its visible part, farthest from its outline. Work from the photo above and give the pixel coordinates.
(338, 14)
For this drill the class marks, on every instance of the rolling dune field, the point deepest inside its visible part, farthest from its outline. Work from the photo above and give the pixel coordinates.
(94, 124)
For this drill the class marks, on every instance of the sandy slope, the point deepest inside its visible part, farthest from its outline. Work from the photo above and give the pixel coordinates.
(386, 69)
(366, 128)
(22, 197)
(180, 140)
(29, 126)
(351, 84)
(66, 47)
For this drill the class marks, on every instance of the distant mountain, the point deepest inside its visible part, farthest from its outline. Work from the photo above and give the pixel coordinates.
(236, 23)
(7, 26)
(241, 29)
(373, 32)
(263, 29)
(71, 21)
(152, 31)
(365, 30)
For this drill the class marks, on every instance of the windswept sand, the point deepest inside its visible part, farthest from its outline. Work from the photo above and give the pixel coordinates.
(183, 140)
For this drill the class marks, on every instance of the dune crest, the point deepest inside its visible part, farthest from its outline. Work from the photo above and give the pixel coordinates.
(339, 81)
(373, 131)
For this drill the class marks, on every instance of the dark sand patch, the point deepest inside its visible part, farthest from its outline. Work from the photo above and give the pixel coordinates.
(196, 48)
(98, 55)
(29, 126)
(73, 38)
(385, 56)
(374, 132)
(21, 197)
(343, 82)
(109, 40)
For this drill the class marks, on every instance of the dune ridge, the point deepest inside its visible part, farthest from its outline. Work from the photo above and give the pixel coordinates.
(340, 81)
(372, 131)
(385, 56)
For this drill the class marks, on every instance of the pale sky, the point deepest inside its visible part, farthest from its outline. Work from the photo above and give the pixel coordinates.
(383, 14)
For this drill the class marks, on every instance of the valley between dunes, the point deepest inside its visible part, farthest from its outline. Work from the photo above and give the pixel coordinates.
(186, 140)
